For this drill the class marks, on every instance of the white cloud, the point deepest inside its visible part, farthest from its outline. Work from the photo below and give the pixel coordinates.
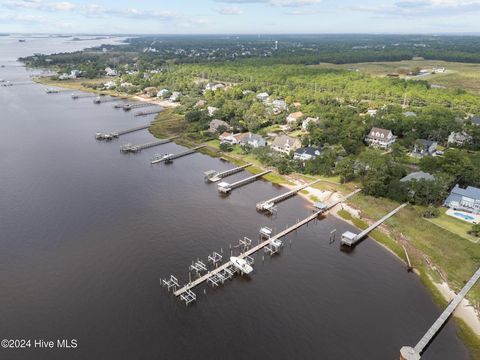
(229, 10)
(285, 3)
(423, 7)
(293, 3)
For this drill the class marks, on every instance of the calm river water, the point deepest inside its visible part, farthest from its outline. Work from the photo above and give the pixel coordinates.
(87, 232)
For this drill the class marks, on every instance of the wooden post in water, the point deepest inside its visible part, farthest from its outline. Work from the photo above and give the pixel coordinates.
(409, 264)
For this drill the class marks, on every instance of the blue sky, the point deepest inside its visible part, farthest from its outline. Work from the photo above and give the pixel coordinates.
(240, 16)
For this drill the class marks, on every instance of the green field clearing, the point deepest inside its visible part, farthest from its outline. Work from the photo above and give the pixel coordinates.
(458, 75)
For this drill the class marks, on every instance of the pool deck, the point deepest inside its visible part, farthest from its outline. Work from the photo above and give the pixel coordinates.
(469, 217)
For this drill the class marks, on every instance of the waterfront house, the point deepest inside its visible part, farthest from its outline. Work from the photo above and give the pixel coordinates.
(263, 97)
(423, 148)
(215, 87)
(285, 144)
(419, 175)
(223, 136)
(164, 93)
(110, 72)
(211, 110)
(294, 117)
(307, 153)
(307, 121)
(109, 85)
(464, 199)
(229, 138)
(279, 106)
(175, 96)
(252, 140)
(381, 138)
(216, 124)
(459, 138)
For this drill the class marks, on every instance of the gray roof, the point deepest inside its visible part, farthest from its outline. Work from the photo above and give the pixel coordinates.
(470, 191)
(476, 120)
(375, 130)
(284, 140)
(419, 175)
(409, 113)
(309, 150)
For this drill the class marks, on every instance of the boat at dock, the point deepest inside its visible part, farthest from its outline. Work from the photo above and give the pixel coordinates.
(241, 265)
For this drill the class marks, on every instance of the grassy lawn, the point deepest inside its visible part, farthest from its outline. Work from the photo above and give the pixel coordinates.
(271, 128)
(445, 249)
(454, 225)
(167, 124)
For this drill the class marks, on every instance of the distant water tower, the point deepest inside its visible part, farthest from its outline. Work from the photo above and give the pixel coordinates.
(276, 45)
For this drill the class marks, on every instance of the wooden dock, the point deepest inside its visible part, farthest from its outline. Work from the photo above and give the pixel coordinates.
(269, 205)
(8, 83)
(105, 99)
(249, 252)
(117, 134)
(214, 176)
(168, 158)
(129, 148)
(148, 112)
(409, 353)
(350, 239)
(85, 96)
(226, 268)
(226, 188)
(131, 106)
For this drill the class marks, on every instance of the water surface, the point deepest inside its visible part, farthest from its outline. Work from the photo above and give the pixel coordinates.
(87, 232)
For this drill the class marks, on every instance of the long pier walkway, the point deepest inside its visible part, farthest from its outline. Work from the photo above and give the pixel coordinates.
(185, 292)
(148, 112)
(136, 148)
(117, 134)
(249, 252)
(225, 187)
(131, 106)
(269, 205)
(106, 99)
(350, 239)
(214, 176)
(168, 159)
(409, 353)
(84, 96)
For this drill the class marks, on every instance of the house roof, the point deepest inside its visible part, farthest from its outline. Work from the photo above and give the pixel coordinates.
(376, 130)
(425, 144)
(409, 113)
(476, 120)
(250, 137)
(308, 150)
(296, 115)
(284, 140)
(419, 175)
(215, 123)
(470, 191)
(240, 136)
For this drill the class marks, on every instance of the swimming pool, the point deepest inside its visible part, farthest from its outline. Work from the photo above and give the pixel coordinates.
(464, 216)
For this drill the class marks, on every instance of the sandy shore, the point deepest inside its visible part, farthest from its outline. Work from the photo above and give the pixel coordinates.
(464, 311)
(160, 102)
